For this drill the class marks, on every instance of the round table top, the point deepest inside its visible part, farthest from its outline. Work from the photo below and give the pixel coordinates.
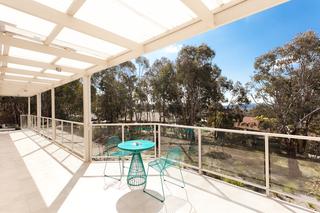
(136, 145)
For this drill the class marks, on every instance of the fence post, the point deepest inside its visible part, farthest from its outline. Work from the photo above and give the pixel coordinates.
(155, 140)
(47, 131)
(61, 132)
(199, 152)
(72, 143)
(159, 141)
(267, 166)
(122, 132)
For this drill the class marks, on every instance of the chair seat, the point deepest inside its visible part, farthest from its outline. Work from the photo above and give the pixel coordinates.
(160, 164)
(120, 153)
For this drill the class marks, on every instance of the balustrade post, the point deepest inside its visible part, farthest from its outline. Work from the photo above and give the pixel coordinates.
(61, 132)
(72, 136)
(267, 166)
(159, 140)
(155, 140)
(122, 133)
(199, 152)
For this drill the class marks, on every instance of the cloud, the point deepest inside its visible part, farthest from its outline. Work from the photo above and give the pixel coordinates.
(175, 48)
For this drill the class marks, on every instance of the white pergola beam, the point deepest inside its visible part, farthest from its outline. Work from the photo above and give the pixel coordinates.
(232, 12)
(29, 80)
(57, 17)
(21, 43)
(27, 62)
(19, 89)
(74, 7)
(31, 73)
(201, 11)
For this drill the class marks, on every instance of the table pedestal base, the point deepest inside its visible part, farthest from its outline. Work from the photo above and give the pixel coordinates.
(137, 174)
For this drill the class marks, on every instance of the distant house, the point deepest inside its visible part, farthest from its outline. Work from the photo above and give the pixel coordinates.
(248, 123)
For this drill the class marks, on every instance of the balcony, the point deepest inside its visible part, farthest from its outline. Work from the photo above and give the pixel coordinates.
(50, 176)
(55, 165)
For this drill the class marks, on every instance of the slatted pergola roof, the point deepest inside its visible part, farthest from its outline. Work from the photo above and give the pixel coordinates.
(48, 43)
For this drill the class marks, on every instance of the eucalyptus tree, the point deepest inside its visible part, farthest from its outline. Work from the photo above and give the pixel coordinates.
(163, 81)
(287, 80)
(69, 101)
(200, 82)
(11, 108)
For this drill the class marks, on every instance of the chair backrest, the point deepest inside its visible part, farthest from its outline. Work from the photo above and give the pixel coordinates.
(111, 142)
(173, 157)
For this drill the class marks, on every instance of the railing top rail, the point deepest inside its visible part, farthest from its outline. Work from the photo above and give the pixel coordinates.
(46, 117)
(66, 121)
(124, 124)
(246, 132)
(301, 137)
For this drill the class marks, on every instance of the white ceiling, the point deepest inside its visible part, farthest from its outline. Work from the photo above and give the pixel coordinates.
(46, 43)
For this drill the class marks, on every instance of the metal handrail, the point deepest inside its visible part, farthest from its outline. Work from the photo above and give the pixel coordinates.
(157, 137)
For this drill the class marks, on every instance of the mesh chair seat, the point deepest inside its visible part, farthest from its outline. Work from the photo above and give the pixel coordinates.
(160, 164)
(173, 158)
(120, 153)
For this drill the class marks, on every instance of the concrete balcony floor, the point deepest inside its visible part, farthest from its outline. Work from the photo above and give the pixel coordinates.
(38, 176)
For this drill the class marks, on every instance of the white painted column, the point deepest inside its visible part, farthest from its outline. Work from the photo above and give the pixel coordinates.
(29, 112)
(87, 117)
(39, 111)
(53, 114)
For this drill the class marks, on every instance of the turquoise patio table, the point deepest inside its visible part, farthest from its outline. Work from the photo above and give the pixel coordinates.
(137, 174)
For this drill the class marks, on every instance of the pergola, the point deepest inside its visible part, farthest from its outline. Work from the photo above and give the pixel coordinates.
(45, 43)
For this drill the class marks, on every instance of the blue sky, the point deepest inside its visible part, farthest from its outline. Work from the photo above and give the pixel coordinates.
(238, 44)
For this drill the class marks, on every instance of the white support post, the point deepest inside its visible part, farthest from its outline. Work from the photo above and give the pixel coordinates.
(267, 166)
(53, 114)
(29, 112)
(159, 141)
(72, 139)
(122, 133)
(199, 151)
(39, 112)
(155, 140)
(87, 117)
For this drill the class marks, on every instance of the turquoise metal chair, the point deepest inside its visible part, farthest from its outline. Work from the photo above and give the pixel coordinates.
(173, 158)
(111, 150)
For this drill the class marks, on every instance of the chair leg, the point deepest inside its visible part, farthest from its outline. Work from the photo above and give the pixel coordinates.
(145, 185)
(182, 179)
(145, 191)
(105, 167)
(119, 160)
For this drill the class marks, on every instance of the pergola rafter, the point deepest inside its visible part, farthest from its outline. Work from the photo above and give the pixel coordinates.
(44, 12)
(204, 19)
(26, 62)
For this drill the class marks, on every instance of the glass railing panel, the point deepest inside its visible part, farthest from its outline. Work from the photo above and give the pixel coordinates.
(236, 155)
(295, 167)
(143, 132)
(59, 131)
(77, 138)
(67, 135)
(185, 138)
(102, 137)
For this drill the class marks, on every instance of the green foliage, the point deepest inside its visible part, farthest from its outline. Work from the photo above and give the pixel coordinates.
(287, 81)
(11, 108)
(233, 182)
(69, 101)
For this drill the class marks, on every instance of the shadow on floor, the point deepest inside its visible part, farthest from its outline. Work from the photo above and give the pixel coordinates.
(138, 201)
